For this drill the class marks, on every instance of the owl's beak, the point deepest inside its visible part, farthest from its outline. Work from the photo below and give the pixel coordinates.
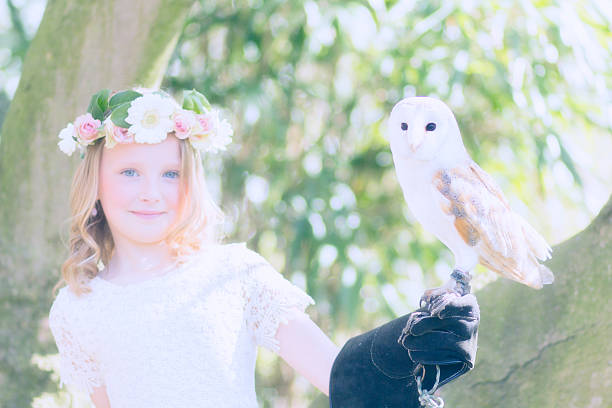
(416, 141)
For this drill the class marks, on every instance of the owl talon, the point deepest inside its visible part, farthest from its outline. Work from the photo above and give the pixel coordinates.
(431, 296)
(440, 303)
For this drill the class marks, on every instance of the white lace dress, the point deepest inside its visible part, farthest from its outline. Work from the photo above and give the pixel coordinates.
(187, 338)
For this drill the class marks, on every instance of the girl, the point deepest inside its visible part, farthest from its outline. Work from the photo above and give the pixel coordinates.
(157, 312)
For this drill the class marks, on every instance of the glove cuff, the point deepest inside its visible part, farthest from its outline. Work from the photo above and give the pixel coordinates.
(372, 369)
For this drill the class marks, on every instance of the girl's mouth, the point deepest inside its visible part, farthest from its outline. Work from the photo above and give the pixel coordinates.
(147, 215)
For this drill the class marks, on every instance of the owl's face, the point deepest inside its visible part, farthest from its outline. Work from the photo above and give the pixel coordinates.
(419, 127)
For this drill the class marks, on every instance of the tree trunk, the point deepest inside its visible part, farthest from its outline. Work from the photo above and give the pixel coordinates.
(548, 348)
(80, 48)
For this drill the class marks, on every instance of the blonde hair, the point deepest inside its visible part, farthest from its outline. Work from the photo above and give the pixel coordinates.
(90, 239)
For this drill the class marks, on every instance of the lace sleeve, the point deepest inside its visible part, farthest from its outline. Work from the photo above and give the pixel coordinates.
(77, 367)
(270, 299)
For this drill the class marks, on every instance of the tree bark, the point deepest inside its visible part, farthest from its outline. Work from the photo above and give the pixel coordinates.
(80, 48)
(548, 348)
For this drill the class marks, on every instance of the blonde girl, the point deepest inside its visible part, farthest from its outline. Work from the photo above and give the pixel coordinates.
(155, 311)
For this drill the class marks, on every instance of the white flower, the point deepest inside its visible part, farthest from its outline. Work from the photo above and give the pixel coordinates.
(150, 118)
(67, 144)
(222, 137)
(212, 134)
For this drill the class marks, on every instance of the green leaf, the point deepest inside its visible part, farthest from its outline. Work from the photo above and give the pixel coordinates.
(123, 97)
(195, 101)
(120, 113)
(188, 104)
(92, 102)
(102, 99)
(97, 113)
(97, 104)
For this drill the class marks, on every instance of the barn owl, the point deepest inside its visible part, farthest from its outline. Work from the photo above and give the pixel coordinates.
(457, 201)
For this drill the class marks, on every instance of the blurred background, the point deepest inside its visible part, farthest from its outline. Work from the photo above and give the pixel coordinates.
(309, 180)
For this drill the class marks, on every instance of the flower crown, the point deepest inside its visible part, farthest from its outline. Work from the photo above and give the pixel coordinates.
(146, 117)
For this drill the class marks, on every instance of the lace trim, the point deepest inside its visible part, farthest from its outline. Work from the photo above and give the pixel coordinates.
(270, 299)
(77, 367)
(265, 333)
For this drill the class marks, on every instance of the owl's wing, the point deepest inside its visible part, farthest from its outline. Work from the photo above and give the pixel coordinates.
(504, 241)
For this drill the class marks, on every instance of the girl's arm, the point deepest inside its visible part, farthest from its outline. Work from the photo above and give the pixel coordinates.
(305, 347)
(99, 397)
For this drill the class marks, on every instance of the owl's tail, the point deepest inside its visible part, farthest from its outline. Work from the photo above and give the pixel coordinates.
(539, 250)
(546, 275)
(536, 276)
(536, 243)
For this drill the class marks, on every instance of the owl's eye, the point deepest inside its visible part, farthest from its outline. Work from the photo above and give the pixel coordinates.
(404, 126)
(430, 127)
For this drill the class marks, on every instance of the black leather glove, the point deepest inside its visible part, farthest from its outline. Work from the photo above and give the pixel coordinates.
(379, 368)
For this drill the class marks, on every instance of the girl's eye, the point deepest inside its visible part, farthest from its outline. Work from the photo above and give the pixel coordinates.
(173, 174)
(430, 127)
(404, 126)
(131, 171)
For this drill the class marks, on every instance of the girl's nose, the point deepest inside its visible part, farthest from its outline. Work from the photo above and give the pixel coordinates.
(150, 191)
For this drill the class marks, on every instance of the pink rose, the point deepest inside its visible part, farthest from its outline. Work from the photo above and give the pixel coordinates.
(122, 135)
(206, 123)
(87, 128)
(184, 121)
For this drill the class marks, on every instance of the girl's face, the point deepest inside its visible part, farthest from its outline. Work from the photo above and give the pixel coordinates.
(139, 189)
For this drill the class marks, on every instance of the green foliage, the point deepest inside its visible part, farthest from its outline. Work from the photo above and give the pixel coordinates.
(101, 107)
(99, 104)
(119, 105)
(195, 101)
(122, 97)
(120, 114)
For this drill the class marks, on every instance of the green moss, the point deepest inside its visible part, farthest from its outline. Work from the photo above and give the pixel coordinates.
(27, 113)
(163, 34)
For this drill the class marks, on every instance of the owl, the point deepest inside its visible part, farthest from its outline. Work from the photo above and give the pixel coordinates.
(458, 202)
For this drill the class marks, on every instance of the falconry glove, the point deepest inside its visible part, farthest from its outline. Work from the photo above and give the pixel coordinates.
(380, 368)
